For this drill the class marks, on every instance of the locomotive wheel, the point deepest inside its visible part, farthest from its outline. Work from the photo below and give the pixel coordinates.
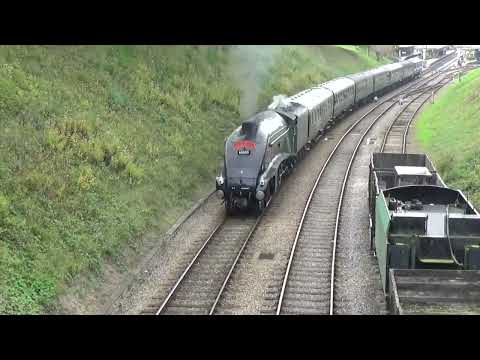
(228, 208)
(282, 170)
(260, 206)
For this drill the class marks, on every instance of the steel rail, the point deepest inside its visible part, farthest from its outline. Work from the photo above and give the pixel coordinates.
(340, 203)
(189, 266)
(342, 192)
(435, 86)
(240, 252)
(229, 274)
(312, 192)
(215, 231)
(407, 127)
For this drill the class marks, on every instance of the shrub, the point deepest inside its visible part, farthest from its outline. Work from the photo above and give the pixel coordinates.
(120, 161)
(81, 124)
(37, 181)
(86, 180)
(94, 152)
(110, 147)
(134, 172)
(76, 128)
(54, 140)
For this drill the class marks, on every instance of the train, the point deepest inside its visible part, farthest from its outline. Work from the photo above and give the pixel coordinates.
(425, 236)
(260, 153)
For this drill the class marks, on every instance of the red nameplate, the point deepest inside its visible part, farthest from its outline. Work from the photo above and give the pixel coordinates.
(244, 144)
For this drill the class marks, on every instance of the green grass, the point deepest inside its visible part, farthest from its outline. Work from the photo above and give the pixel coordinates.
(101, 144)
(448, 131)
(299, 67)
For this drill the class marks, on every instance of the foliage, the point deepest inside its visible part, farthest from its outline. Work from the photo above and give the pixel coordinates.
(448, 131)
(100, 144)
(299, 67)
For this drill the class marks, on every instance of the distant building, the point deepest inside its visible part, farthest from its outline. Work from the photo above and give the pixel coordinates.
(471, 52)
(405, 50)
(432, 51)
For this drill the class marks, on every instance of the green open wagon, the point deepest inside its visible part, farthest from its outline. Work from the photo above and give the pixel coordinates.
(418, 224)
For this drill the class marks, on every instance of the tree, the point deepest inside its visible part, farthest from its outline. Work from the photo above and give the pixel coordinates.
(383, 50)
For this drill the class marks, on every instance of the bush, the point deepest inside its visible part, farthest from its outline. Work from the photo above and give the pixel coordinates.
(86, 180)
(54, 140)
(94, 153)
(120, 161)
(37, 181)
(76, 128)
(134, 172)
(100, 143)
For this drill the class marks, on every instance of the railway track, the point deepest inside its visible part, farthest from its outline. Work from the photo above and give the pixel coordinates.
(395, 138)
(199, 288)
(396, 141)
(432, 74)
(309, 280)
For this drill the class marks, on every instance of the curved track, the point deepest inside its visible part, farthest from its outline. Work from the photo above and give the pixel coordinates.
(395, 138)
(309, 281)
(201, 285)
(197, 289)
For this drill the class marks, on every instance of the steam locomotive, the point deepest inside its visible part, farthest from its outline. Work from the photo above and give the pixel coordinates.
(265, 148)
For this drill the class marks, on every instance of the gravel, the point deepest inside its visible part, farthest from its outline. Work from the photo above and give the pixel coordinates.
(358, 289)
(255, 281)
(169, 260)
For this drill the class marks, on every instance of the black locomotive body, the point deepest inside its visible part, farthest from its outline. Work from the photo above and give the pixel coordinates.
(257, 156)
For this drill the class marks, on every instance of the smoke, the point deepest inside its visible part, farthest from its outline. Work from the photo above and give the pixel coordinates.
(249, 65)
(278, 100)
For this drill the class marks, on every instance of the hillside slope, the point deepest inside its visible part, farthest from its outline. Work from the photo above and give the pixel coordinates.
(448, 131)
(100, 145)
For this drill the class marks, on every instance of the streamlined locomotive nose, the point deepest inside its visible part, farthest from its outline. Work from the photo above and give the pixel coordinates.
(240, 202)
(242, 190)
(242, 183)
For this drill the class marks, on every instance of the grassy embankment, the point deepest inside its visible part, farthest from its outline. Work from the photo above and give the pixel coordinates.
(99, 145)
(297, 66)
(449, 132)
